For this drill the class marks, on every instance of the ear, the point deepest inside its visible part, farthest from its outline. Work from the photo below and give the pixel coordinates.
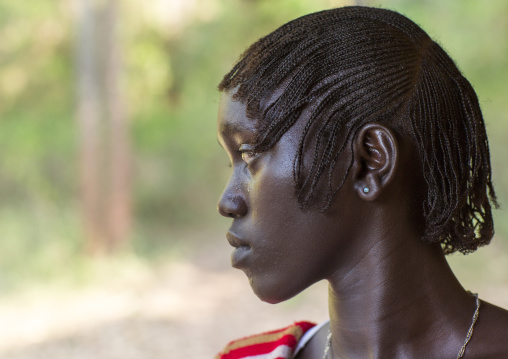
(375, 159)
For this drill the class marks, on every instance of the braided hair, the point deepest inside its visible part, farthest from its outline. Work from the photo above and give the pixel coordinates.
(354, 65)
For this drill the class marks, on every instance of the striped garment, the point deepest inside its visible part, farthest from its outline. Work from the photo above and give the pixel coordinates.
(277, 344)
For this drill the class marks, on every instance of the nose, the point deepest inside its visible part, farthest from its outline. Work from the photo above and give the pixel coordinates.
(232, 202)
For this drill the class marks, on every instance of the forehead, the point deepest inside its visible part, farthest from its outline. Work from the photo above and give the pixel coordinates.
(232, 117)
(232, 113)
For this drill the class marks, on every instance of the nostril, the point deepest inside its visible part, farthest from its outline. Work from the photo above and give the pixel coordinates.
(231, 215)
(224, 212)
(232, 207)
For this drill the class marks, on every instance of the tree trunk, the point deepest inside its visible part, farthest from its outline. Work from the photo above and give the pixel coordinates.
(119, 147)
(103, 129)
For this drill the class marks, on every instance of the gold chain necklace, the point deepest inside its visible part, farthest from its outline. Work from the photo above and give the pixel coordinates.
(462, 349)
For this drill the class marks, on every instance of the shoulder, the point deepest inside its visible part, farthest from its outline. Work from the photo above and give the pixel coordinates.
(490, 335)
(278, 343)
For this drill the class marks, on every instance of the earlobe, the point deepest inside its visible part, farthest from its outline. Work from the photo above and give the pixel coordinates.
(375, 159)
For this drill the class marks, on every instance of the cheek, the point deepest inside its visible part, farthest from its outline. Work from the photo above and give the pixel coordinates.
(272, 199)
(285, 232)
(274, 179)
(285, 236)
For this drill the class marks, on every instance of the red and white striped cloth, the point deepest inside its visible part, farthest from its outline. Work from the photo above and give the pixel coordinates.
(276, 344)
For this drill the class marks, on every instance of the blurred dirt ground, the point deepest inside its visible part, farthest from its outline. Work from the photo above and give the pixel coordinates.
(182, 312)
(183, 309)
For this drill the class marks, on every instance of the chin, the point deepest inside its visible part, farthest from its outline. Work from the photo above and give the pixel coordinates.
(272, 293)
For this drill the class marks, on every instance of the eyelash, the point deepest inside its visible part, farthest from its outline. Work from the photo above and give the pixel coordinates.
(246, 155)
(246, 151)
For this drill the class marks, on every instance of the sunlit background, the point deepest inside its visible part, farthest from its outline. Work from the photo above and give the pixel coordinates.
(111, 246)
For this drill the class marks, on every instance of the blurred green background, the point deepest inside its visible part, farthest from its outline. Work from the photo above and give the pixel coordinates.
(163, 62)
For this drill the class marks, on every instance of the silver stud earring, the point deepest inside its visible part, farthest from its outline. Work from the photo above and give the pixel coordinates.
(366, 190)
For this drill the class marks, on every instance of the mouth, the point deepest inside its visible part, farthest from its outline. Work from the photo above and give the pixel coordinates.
(235, 241)
(241, 252)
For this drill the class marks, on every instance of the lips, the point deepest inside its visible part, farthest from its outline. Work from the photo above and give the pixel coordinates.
(241, 252)
(235, 241)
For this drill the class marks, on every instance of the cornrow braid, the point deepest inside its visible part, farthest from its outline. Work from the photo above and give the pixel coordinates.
(354, 65)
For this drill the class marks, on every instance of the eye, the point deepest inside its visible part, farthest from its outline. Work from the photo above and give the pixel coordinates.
(248, 153)
(248, 156)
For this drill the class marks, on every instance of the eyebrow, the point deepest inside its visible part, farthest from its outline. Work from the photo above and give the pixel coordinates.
(229, 128)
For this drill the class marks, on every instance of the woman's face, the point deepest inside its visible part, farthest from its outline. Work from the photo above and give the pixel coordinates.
(280, 247)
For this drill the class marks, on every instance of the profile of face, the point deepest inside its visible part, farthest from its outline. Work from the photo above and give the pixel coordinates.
(281, 248)
(357, 100)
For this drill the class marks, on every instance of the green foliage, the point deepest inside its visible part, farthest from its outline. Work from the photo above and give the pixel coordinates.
(172, 66)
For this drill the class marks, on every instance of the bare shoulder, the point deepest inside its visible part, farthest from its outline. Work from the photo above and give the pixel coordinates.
(490, 335)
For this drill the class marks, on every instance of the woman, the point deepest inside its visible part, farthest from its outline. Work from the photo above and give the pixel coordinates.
(359, 155)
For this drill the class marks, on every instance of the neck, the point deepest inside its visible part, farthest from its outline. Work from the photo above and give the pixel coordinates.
(399, 300)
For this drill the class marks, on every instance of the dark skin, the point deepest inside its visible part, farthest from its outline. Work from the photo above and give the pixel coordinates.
(390, 294)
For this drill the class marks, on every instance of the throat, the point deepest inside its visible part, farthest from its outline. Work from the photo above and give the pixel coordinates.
(399, 304)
